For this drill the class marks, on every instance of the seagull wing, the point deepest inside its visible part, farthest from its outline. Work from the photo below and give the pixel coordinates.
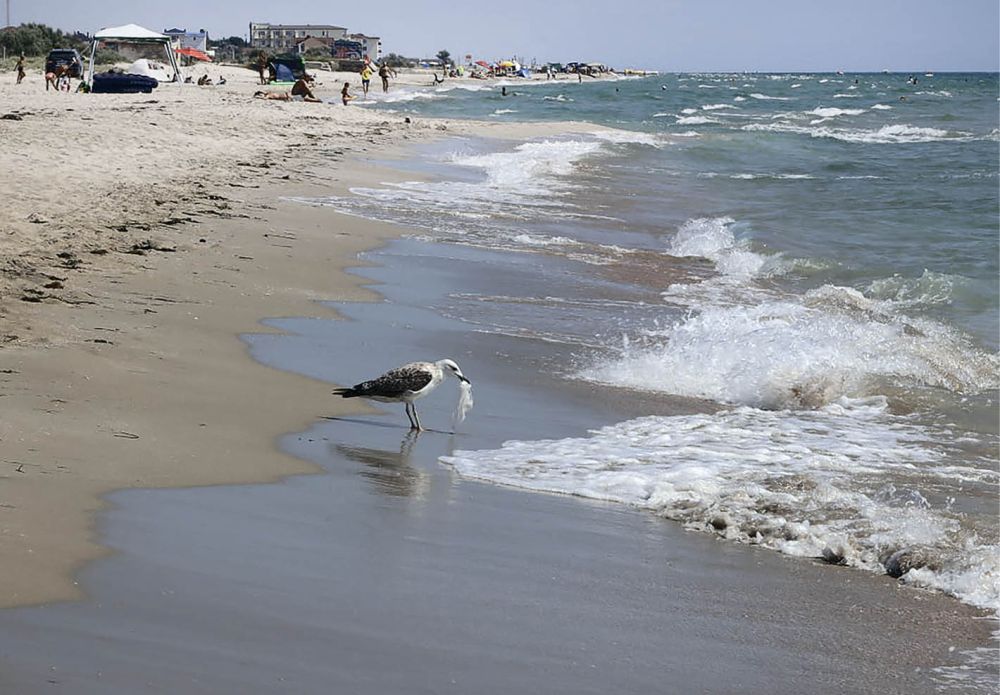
(393, 384)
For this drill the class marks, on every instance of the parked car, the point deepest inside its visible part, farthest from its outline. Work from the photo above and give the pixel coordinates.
(65, 56)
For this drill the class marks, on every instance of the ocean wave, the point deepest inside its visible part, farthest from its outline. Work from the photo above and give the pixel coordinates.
(826, 112)
(695, 120)
(713, 238)
(887, 134)
(847, 483)
(624, 137)
(402, 96)
(928, 289)
(500, 112)
(802, 353)
(531, 165)
(765, 97)
(714, 107)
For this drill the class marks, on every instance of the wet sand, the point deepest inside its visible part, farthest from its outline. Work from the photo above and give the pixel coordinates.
(388, 573)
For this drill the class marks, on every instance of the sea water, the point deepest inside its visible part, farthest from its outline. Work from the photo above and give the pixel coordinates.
(812, 259)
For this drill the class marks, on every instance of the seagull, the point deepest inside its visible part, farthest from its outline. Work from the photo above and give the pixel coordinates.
(405, 384)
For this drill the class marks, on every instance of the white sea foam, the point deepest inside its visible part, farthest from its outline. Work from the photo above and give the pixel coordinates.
(846, 96)
(714, 107)
(843, 482)
(793, 351)
(832, 112)
(695, 120)
(713, 238)
(802, 353)
(765, 97)
(887, 134)
(531, 165)
(500, 112)
(405, 95)
(620, 137)
(881, 107)
(929, 288)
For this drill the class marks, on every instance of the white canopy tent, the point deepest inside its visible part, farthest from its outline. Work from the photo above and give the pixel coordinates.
(133, 33)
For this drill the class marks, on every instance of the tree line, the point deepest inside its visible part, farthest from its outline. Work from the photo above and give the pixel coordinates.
(38, 40)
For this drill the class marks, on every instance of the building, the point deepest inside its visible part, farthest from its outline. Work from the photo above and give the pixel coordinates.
(182, 38)
(285, 37)
(371, 46)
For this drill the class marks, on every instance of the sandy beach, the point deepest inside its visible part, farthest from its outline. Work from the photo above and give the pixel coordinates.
(134, 249)
(142, 236)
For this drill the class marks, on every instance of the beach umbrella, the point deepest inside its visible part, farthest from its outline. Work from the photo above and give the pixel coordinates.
(194, 53)
(482, 63)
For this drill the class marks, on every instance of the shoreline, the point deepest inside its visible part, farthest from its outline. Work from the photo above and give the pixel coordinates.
(138, 384)
(123, 303)
(123, 293)
(388, 571)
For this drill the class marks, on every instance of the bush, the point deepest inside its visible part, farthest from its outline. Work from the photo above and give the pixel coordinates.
(106, 56)
(37, 40)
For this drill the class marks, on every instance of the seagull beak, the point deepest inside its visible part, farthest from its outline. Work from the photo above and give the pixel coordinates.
(462, 378)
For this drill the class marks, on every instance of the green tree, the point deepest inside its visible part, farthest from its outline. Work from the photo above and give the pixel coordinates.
(444, 56)
(394, 60)
(36, 40)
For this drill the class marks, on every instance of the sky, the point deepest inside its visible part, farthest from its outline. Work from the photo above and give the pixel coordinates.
(670, 35)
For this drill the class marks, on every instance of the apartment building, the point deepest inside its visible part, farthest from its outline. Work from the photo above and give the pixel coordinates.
(285, 37)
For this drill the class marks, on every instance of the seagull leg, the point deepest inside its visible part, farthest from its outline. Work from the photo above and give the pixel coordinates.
(411, 413)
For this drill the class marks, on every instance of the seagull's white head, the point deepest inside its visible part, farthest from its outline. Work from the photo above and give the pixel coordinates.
(450, 367)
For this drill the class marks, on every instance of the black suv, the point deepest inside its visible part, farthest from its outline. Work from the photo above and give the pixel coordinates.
(65, 56)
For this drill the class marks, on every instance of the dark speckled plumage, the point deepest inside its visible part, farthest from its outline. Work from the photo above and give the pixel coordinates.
(393, 385)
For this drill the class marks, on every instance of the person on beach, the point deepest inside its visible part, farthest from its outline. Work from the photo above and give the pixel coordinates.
(20, 69)
(261, 65)
(366, 78)
(383, 73)
(345, 94)
(301, 89)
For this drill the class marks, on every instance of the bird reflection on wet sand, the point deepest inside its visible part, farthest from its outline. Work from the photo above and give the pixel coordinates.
(390, 471)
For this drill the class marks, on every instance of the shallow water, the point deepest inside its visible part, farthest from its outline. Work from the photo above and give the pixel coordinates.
(814, 256)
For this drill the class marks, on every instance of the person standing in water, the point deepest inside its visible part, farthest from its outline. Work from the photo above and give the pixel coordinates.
(366, 78)
(383, 73)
